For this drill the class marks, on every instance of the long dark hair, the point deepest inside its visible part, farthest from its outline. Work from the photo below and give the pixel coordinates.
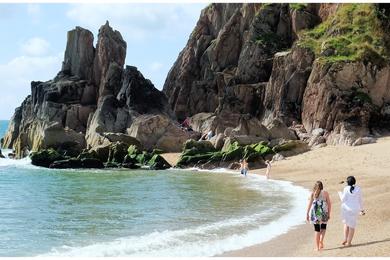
(351, 181)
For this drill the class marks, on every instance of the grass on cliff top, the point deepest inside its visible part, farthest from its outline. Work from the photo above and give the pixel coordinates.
(297, 6)
(354, 33)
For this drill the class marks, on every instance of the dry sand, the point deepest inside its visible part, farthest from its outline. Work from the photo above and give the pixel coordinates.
(370, 164)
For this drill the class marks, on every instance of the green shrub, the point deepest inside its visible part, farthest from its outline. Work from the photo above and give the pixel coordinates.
(355, 33)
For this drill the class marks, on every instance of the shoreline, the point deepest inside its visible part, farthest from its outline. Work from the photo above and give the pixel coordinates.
(332, 164)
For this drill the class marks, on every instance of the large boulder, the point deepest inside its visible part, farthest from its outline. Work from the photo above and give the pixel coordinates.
(45, 157)
(117, 152)
(291, 147)
(159, 131)
(71, 163)
(157, 162)
(278, 129)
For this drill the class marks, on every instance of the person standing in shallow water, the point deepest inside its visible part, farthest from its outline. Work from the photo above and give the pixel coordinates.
(244, 167)
(318, 213)
(268, 163)
(351, 206)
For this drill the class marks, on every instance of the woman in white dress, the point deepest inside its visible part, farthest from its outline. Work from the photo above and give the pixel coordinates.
(351, 206)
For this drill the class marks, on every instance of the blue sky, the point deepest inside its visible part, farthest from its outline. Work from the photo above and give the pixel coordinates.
(33, 39)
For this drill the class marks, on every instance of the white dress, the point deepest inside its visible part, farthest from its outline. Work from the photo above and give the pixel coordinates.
(351, 205)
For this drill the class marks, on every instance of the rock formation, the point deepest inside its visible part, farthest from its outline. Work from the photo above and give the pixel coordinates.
(92, 101)
(253, 74)
(296, 63)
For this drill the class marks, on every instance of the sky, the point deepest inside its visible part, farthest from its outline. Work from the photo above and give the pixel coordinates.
(33, 40)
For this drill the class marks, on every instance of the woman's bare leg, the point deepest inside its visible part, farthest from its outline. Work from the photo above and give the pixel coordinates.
(317, 240)
(322, 235)
(346, 232)
(350, 235)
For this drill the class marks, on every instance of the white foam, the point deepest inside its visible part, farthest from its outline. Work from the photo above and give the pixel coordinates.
(25, 162)
(205, 240)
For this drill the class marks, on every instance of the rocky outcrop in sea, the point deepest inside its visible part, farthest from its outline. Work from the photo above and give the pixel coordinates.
(93, 102)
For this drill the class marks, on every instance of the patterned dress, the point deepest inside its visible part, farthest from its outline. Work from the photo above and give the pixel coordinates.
(319, 210)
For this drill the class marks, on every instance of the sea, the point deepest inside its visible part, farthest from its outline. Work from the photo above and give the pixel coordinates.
(49, 212)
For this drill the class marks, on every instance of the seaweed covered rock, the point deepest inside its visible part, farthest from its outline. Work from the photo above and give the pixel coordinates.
(254, 153)
(117, 152)
(45, 158)
(157, 162)
(66, 164)
(91, 163)
(291, 147)
(1, 155)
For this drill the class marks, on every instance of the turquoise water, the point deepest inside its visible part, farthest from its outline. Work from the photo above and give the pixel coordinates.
(3, 127)
(138, 212)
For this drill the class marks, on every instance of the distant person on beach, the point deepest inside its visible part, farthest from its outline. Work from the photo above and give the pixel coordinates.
(318, 213)
(351, 207)
(244, 167)
(268, 163)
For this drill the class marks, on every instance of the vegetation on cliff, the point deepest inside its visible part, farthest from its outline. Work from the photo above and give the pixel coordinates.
(354, 33)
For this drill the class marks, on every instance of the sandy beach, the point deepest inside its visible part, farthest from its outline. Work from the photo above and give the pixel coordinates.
(370, 164)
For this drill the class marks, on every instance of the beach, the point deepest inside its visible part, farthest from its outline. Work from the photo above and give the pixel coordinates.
(370, 164)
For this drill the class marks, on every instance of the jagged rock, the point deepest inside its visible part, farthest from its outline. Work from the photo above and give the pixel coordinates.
(101, 152)
(91, 163)
(284, 91)
(218, 141)
(278, 129)
(45, 157)
(1, 155)
(157, 162)
(316, 140)
(139, 94)
(291, 147)
(110, 48)
(347, 109)
(71, 163)
(364, 140)
(318, 132)
(158, 131)
(117, 152)
(123, 138)
(79, 54)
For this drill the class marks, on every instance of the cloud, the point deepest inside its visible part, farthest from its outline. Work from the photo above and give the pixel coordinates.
(137, 21)
(156, 66)
(17, 74)
(35, 47)
(35, 12)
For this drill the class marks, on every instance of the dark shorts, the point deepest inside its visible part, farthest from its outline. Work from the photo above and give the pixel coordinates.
(319, 227)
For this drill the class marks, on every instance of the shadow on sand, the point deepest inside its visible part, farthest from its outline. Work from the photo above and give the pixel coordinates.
(361, 244)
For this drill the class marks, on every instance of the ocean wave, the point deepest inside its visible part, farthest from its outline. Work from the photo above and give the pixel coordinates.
(205, 240)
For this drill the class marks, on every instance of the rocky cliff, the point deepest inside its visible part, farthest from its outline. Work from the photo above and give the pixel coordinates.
(252, 73)
(323, 65)
(92, 101)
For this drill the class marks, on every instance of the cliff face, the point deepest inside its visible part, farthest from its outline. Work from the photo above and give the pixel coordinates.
(325, 65)
(90, 98)
(244, 66)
